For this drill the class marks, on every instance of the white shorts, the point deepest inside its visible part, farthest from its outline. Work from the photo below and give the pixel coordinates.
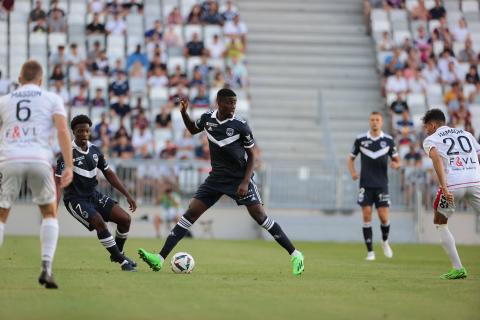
(470, 194)
(39, 179)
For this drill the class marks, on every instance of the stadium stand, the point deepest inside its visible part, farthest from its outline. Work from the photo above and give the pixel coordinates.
(428, 53)
(125, 69)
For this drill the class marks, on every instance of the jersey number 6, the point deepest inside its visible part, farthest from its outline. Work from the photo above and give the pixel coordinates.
(23, 111)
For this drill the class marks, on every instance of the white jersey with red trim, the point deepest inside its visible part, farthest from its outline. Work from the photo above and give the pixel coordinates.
(27, 127)
(459, 151)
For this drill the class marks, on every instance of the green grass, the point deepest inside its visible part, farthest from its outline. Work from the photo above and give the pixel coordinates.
(238, 280)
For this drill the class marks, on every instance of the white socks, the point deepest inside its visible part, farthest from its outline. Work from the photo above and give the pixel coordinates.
(2, 230)
(161, 259)
(48, 239)
(448, 243)
(295, 253)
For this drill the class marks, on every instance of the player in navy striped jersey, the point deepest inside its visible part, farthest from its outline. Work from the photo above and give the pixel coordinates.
(232, 151)
(91, 208)
(375, 148)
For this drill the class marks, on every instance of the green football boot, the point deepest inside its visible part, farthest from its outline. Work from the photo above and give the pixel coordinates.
(455, 274)
(152, 259)
(297, 264)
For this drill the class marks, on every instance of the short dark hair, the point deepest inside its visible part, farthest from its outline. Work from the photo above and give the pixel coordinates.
(225, 93)
(80, 119)
(436, 115)
(376, 113)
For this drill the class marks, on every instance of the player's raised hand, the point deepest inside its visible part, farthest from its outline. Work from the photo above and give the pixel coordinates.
(183, 104)
(132, 204)
(67, 177)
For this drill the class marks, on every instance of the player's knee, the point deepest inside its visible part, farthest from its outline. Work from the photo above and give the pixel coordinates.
(127, 220)
(439, 219)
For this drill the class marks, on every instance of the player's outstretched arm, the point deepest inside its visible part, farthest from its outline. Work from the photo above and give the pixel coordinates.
(243, 187)
(439, 169)
(189, 123)
(65, 147)
(113, 179)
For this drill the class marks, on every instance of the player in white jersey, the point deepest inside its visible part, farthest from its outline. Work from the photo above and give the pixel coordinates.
(28, 116)
(455, 155)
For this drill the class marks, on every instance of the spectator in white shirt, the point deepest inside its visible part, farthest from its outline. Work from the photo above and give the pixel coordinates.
(158, 79)
(117, 26)
(5, 85)
(74, 57)
(453, 74)
(386, 43)
(460, 32)
(444, 60)
(236, 28)
(431, 73)
(417, 84)
(397, 83)
(142, 141)
(216, 48)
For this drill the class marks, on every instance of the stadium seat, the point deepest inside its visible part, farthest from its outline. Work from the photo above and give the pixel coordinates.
(438, 47)
(190, 29)
(468, 89)
(186, 7)
(400, 36)
(475, 111)
(380, 26)
(138, 85)
(416, 103)
(457, 47)
(98, 82)
(433, 24)
(191, 63)
(411, 4)
(56, 39)
(470, 6)
(173, 62)
(167, 7)
(159, 94)
(75, 111)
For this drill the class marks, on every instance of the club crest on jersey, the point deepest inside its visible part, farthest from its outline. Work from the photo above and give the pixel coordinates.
(383, 144)
(95, 157)
(230, 132)
(366, 143)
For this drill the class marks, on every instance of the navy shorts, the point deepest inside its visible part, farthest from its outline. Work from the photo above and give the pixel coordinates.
(213, 188)
(369, 196)
(83, 209)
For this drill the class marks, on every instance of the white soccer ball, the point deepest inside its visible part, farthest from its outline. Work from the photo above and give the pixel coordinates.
(182, 262)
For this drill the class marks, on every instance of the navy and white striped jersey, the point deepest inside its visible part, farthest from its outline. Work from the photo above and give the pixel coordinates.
(85, 165)
(374, 160)
(228, 140)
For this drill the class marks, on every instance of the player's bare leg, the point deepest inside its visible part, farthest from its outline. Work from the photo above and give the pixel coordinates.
(194, 211)
(448, 244)
(385, 227)
(48, 239)
(367, 232)
(3, 220)
(257, 212)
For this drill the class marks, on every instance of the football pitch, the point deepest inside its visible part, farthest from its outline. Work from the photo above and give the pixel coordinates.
(238, 280)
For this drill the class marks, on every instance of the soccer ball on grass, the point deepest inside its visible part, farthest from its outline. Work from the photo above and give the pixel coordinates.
(182, 262)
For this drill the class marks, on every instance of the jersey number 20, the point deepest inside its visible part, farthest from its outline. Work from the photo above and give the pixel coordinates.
(23, 112)
(460, 140)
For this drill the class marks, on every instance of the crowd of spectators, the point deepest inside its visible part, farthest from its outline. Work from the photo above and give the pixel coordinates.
(130, 66)
(136, 115)
(428, 58)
